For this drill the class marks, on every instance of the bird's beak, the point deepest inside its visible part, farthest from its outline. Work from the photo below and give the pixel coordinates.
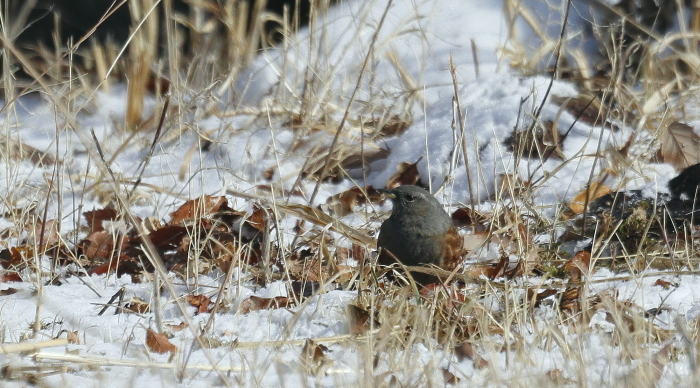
(387, 193)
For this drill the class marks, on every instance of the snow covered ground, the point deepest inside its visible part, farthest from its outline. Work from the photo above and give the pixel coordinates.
(249, 136)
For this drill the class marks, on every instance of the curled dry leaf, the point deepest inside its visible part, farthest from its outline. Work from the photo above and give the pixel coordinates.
(469, 217)
(393, 126)
(95, 218)
(72, 337)
(680, 146)
(257, 219)
(664, 284)
(450, 378)
(578, 265)
(159, 343)
(255, 303)
(198, 208)
(102, 245)
(592, 192)
(179, 327)
(358, 319)
(539, 297)
(313, 353)
(570, 300)
(8, 291)
(537, 141)
(406, 174)
(342, 204)
(46, 234)
(201, 302)
(138, 305)
(466, 350)
(510, 186)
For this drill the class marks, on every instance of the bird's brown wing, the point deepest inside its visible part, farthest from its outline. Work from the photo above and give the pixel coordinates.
(454, 249)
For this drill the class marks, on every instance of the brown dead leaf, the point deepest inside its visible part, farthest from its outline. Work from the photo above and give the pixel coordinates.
(198, 208)
(201, 301)
(537, 142)
(313, 354)
(100, 246)
(269, 173)
(578, 265)
(450, 378)
(138, 306)
(570, 300)
(680, 146)
(358, 319)
(406, 174)
(72, 337)
(342, 204)
(585, 109)
(474, 241)
(489, 270)
(95, 218)
(469, 217)
(466, 350)
(176, 328)
(393, 126)
(539, 297)
(510, 186)
(8, 291)
(45, 234)
(595, 190)
(159, 343)
(257, 219)
(664, 284)
(255, 303)
(8, 277)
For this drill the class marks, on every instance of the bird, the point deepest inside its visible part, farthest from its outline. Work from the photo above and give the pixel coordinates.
(685, 184)
(418, 232)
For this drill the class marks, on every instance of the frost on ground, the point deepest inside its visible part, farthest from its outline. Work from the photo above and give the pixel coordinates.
(252, 296)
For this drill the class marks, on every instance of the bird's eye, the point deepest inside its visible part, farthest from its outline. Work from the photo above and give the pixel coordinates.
(410, 197)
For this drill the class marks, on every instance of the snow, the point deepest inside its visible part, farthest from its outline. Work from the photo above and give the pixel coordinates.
(423, 36)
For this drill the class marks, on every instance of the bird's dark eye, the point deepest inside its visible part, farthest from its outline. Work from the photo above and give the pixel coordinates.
(410, 197)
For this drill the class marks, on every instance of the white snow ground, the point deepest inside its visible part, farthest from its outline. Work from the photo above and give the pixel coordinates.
(422, 35)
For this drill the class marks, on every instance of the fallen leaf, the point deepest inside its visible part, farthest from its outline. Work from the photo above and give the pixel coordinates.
(201, 301)
(539, 297)
(466, 350)
(469, 217)
(72, 337)
(138, 306)
(540, 141)
(680, 146)
(255, 303)
(8, 291)
(176, 328)
(358, 319)
(95, 218)
(257, 219)
(313, 354)
(570, 300)
(159, 343)
(342, 204)
(450, 378)
(578, 265)
(664, 284)
(393, 126)
(406, 174)
(198, 208)
(595, 190)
